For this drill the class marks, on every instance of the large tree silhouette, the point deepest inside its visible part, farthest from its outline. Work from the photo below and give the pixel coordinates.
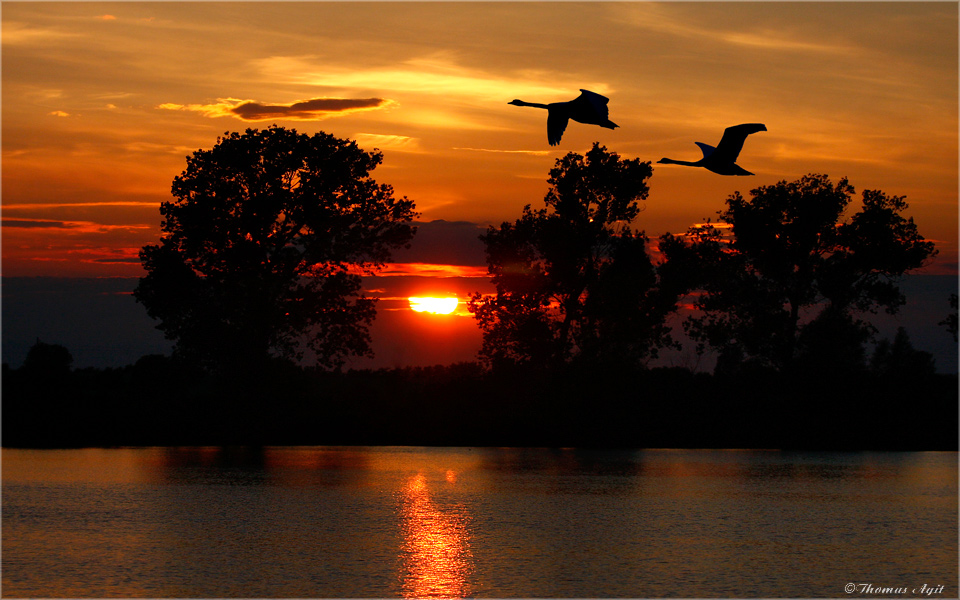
(263, 248)
(573, 279)
(793, 278)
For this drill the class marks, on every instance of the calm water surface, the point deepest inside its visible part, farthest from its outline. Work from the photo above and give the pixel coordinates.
(454, 522)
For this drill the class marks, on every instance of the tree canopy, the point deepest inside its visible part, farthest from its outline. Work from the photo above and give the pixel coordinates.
(573, 280)
(47, 361)
(263, 247)
(790, 270)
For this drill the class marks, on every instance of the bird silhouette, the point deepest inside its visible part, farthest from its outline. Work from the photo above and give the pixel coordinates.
(722, 159)
(589, 108)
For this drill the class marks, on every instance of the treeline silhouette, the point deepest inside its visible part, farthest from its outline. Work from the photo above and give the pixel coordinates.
(269, 233)
(895, 402)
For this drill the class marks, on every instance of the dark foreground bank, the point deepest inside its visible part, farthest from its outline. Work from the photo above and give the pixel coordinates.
(159, 402)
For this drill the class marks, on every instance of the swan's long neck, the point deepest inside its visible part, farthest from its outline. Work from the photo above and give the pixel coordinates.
(686, 163)
(533, 104)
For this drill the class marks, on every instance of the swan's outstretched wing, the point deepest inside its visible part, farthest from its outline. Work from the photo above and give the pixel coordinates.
(556, 125)
(707, 149)
(733, 137)
(594, 102)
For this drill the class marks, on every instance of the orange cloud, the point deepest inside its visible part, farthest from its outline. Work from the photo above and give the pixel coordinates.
(432, 270)
(72, 226)
(315, 109)
(35, 206)
(533, 152)
(387, 142)
(108, 256)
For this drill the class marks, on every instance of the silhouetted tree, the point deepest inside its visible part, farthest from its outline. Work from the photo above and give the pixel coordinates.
(900, 359)
(47, 361)
(264, 245)
(951, 321)
(572, 279)
(791, 264)
(834, 342)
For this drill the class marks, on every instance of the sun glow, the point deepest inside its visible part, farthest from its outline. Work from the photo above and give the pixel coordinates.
(440, 306)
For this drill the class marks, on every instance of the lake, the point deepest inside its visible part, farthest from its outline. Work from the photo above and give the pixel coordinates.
(403, 522)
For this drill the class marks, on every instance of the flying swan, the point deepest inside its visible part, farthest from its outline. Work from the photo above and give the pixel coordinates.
(589, 108)
(722, 159)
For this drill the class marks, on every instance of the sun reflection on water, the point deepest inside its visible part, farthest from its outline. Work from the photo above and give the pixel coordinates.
(436, 557)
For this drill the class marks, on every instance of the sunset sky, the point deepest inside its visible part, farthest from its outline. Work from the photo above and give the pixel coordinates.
(102, 102)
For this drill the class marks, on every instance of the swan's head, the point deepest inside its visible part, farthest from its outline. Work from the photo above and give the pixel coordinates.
(517, 102)
(665, 161)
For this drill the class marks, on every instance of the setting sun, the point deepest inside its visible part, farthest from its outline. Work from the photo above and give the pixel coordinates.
(440, 306)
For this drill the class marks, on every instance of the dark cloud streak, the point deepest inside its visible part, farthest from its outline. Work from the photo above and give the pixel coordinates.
(307, 109)
(38, 224)
(315, 109)
(131, 260)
